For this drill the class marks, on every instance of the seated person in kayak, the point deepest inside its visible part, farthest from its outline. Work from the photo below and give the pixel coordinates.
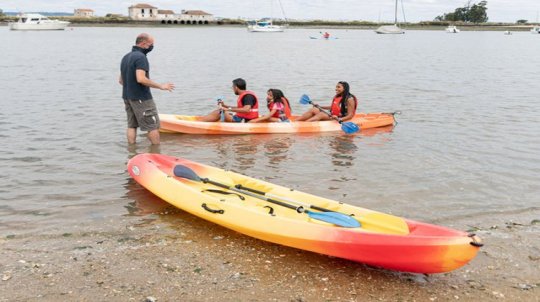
(343, 106)
(247, 106)
(278, 107)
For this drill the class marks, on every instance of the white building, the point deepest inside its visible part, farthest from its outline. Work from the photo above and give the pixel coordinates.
(196, 17)
(83, 12)
(146, 12)
(143, 11)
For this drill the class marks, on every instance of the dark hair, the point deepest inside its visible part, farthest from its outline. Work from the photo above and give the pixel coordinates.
(345, 95)
(277, 95)
(240, 83)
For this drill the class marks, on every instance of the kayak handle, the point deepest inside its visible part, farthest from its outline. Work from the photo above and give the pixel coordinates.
(204, 206)
(475, 240)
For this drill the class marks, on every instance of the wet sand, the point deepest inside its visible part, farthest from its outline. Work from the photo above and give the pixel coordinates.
(165, 254)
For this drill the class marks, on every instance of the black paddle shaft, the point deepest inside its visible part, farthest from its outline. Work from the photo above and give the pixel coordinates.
(299, 209)
(263, 193)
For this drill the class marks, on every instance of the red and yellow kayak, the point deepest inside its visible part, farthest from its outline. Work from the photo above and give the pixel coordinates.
(192, 125)
(378, 239)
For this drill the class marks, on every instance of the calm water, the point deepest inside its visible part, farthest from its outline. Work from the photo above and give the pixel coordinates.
(467, 143)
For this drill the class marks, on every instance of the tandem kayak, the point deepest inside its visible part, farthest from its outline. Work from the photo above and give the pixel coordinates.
(192, 125)
(292, 218)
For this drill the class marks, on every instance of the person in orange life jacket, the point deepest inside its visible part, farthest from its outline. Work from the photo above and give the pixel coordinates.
(278, 107)
(247, 107)
(342, 110)
(326, 35)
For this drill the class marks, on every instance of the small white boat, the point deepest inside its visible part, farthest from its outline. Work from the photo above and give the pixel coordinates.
(507, 32)
(535, 30)
(264, 26)
(37, 22)
(452, 29)
(391, 29)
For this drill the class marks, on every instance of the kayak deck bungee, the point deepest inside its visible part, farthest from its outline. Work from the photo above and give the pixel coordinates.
(378, 239)
(192, 125)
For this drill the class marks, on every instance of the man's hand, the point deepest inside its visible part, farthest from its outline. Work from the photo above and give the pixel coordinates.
(167, 86)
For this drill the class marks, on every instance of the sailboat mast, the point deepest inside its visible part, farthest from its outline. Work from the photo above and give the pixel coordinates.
(282, 11)
(395, 14)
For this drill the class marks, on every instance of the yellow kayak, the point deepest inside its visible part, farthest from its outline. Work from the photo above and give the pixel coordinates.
(285, 216)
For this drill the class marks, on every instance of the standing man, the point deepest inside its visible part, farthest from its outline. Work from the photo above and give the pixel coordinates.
(135, 80)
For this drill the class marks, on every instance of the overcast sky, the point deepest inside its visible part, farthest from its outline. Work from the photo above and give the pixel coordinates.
(368, 10)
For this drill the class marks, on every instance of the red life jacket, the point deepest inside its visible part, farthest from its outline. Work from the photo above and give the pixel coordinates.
(341, 111)
(286, 105)
(254, 112)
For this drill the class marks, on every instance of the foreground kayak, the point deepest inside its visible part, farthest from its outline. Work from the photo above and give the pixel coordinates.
(284, 216)
(193, 125)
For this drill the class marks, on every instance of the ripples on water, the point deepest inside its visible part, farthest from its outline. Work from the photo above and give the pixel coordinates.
(466, 144)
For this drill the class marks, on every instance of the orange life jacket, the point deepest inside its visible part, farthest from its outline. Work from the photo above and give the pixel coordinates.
(286, 105)
(338, 110)
(254, 112)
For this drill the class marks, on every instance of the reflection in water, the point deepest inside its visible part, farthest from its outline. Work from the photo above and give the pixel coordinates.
(375, 131)
(344, 148)
(239, 152)
(134, 149)
(141, 201)
(276, 149)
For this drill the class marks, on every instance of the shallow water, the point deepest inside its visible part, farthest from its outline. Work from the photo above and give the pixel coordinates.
(466, 143)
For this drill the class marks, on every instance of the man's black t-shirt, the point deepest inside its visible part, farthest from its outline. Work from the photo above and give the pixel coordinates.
(131, 89)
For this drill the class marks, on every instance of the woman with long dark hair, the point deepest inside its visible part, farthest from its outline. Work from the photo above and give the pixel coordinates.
(343, 106)
(279, 109)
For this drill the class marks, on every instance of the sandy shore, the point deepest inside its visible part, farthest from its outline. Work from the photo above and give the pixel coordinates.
(170, 255)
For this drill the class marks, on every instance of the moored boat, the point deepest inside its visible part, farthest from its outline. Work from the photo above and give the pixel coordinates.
(391, 29)
(264, 26)
(37, 22)
(292, 218)
(193, 125)
(452, 29)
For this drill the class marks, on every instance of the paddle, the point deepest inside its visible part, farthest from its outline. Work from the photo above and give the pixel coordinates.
(339, 219)
(285, 198)
(373, 221)
(347, 127)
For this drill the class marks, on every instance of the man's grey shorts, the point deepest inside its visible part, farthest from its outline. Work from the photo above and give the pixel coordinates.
(142, 114)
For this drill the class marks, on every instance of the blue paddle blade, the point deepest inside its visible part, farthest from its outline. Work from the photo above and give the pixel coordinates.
(185, 172)
(349, 127)
(304, 99)
(339, 219)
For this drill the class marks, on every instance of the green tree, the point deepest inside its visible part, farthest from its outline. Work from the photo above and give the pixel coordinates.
(1, 13)
(476, 13)
(522, 21)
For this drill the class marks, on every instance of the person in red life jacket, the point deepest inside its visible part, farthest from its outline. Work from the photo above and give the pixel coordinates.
(340, 109)
(247, 106)
(278, 107)
(326, 35)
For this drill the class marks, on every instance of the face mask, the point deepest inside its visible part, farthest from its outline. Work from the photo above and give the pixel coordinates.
(149, 49)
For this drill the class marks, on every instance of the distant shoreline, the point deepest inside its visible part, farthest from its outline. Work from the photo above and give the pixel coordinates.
(318, 24)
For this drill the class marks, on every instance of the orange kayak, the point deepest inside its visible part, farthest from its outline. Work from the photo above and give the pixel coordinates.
(301, 220)
(192, 125)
